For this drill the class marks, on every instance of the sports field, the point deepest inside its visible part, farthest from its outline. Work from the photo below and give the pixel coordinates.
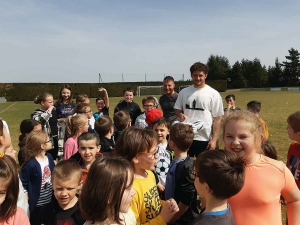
(276, 106)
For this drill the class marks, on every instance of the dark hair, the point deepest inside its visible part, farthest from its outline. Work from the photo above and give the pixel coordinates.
(89, 136)
(230, 96)
(9, 175)
(60, 98)
(269, 149)
(103, 189)
(121, 120)
(182, 135)
(254, 106)
(100, 98)
(162, 121)
(26, 126)
(198, 66)
(133, 141)
(168, 78)
(81, 107)
(148, 99)
(41, 98)
(81, 98)
(103, 125)
(66, 169)
(129, 89)
(294, 121)
(223, 171)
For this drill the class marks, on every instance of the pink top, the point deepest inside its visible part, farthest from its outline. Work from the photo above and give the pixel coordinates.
(19, 217)
(70, 147)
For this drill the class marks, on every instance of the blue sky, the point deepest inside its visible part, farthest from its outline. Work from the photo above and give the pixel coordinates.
(74, 41)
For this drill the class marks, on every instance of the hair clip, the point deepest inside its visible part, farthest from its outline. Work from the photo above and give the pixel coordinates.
(1, 155)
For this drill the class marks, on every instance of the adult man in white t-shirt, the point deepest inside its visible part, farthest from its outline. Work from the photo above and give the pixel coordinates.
(200, 101)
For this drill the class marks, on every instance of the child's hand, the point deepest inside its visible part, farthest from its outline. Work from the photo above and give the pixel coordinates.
(169, 210)
(51, 107)
(160, 187)
(101, 89)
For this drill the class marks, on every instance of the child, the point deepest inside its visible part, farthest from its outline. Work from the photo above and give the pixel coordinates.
(64, 209)
(179, 185)
(102, 104)
(47, 116)
(152, 115)
(230, 99)
(293, 156)
(218, 176)
(129, 105)
(161, 127)
(121, 122)
(76, 125)
(36, 172)
(104, 128)
(139, 147)
(82, 99)
(265, 179)
(255, 107)
(88, 150)
(9, 190)
(114, 177)
(148, 104)
(84, 108)
(26, 127)
(269, 149)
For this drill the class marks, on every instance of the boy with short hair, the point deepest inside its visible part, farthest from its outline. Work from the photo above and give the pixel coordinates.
(148, 104)
(255, 107)
(179, 185)
(66, 182)
(104, 128)
(230, 99)
(121, 122)
(218, 175)
(293, 156)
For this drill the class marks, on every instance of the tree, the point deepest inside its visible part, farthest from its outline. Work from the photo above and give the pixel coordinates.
(275, 75)
(219, 67)
(291, 67)
(237, 79)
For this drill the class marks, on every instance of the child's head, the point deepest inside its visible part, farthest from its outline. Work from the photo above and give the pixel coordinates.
(66, 181)
(182, 136)
(242, 134)
(28, 125)
(100, 103)
(5, 140)
(9, 187)
(65, 95)
(136, 145)
(152, 115)
(128, 94)
(219, 173)
(269, 149)
(45, 100)
(88, 146)
(77, 125)
(230, 99)
(254, 106)
(161, 126)
(107, 191)
(148, 103)
(293, 128)
(122, 120)
(83, 108)
(82, 99)
(104, 125)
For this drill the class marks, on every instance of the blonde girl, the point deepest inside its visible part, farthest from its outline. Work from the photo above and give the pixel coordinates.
(9, 191)
(114, 177)
(85, 108)
(265, 180)
(36, 172)
(76, 125)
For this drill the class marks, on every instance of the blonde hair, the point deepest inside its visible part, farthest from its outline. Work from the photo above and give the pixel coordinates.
(255, 126)
(42, 97)
(34, 140)
(74, 122)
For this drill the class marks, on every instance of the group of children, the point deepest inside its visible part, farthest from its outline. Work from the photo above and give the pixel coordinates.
(122, 174)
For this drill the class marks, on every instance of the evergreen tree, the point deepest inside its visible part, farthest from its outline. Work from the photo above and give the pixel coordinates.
(219, 67)
(291, 68)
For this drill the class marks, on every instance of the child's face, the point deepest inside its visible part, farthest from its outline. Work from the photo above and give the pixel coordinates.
(65, 190)
(127, 195)
(162, 132)
(3, 189)
(147, 160)
(5, 140)
(47, 145)
(128, 96)
(37, 127)
(11, 152)
(100, 104)
(88, 150)
(148, 105)
(88, 112)
(239, 139)
(230, 101)
(65, 93)
(47, 103)
(292, 134)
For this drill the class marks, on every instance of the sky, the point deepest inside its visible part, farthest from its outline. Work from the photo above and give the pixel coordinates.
(72, 41)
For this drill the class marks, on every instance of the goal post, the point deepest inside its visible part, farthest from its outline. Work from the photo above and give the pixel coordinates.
(149, 90)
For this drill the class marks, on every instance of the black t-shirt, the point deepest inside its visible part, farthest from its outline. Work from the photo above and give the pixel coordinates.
(104, 111)
(106, 144)
(167, 105)
(132, 108)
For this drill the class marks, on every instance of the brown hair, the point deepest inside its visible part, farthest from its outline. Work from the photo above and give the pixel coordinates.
(9, 178)
(254, 106)
(103, 125)
(74, 122)
(198, 66)
(294, 121)
(1, 127)
(129, 89)
(41, 98)
(60, 100)
(66, 170)
(81, 98)
(89, 136)
(269, 149)
(162, 121)
(104, 188)
(168, 78)
(149, 99)
(182, 135)
(133, 141)
(223, 171)
(33, 143)
(121, 120)
(81, 107)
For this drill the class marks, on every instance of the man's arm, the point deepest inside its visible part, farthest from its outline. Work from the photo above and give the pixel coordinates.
(212, 144)
(180, 115)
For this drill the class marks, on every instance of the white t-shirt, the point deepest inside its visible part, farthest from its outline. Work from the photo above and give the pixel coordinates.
(141, 121)
(201, 103)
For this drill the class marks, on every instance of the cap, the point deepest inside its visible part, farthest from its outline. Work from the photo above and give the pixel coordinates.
(153, 114)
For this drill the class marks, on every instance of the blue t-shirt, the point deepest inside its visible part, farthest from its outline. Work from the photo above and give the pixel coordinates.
(63, 111)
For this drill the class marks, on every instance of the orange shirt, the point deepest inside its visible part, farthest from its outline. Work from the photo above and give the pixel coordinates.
(259, 200)
(265, 128)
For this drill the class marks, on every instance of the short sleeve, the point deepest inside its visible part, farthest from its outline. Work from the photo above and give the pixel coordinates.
(289, 181)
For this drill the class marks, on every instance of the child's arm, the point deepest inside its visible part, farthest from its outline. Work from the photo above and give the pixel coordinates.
(25, 177)
(43, 117)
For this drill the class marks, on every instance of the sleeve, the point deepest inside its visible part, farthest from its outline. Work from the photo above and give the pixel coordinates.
(117, 109)
(68, 149)
(289, 181)
(217, 106)
(25, 176)
(178, 103)
(21, 217)
(42, 117)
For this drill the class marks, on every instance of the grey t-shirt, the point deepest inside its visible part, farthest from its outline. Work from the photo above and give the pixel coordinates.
(167, 105)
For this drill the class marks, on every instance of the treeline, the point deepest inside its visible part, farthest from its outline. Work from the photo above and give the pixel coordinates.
(252, 74)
